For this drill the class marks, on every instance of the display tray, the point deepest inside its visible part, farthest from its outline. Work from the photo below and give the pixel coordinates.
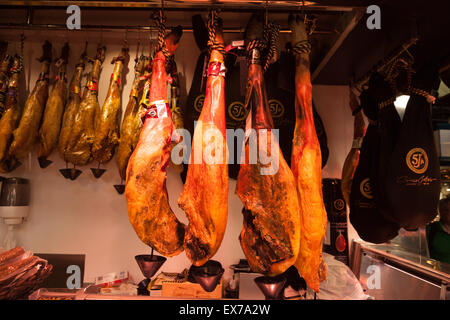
(83, 294)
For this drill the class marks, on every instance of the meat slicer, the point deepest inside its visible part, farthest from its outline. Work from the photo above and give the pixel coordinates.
(14, 206)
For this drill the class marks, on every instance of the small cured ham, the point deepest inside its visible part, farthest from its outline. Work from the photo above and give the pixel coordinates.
(351, 161)
(4, 74)
(26, 133)
(205, 193)
(306, 167)
(54, 109)
(132, 123)
(11, 116)
(81, 138)
(148, 205)
(270, 235)
(72, 107)
(108, 120)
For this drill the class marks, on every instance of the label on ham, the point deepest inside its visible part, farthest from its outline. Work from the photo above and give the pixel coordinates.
(115, 78)
(61, 75)
(92, 85)
(357, 143)
(157, 109)
(43, 76)
(216, 68)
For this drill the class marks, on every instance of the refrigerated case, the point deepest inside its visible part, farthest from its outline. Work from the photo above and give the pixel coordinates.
(391, 272)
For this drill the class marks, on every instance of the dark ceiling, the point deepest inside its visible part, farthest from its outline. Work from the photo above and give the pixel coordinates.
(360, 51)
(400, 21)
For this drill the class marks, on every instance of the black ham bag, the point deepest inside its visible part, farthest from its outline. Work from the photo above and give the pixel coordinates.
(364, 212)
(388, 125)
(280, 83)
(412, 182)
(196, 95)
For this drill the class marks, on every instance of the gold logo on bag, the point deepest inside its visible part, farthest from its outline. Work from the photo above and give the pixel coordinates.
(366, 188)
(198, 102)
(276, 108)
(237, 111)
(417, 160)
(339, 204)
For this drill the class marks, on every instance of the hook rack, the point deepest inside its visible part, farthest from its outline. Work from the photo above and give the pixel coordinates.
(385, 62)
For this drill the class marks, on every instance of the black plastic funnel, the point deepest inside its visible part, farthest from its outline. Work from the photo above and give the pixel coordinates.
(120, 188)
(65, 173)
(44, 162)
(271, 287)
(97, 172)
(74, 173)
(207, 275)
(149, 264)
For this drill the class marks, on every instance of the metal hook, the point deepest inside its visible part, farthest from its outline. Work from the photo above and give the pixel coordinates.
(303, 11)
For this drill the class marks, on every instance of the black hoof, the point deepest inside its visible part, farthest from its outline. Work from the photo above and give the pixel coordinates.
(44, 162)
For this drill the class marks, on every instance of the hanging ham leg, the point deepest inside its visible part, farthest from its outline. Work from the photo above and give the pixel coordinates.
(131, 124)
(26, 133)
(108, 120)
(4, 74)
(306, 167)
(81, 137)
(351, 161)
(148, 205)
(51, 124)
(270, 235)
(205, 194)
(11, 116)
(72, 107)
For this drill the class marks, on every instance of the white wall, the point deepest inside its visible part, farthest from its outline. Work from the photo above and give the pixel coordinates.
(87, 216)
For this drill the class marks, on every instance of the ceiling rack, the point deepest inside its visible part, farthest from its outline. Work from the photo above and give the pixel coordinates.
(225, 5)
(102, 28)
(383, 63)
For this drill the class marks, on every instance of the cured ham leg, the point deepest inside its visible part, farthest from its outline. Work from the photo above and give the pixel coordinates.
(11, 116)
(26, 133)
(148, 205)
(4, 74)
(205, 194)
(82, 133)
(351, 161)
(72, 107)
(51, 124)
(270, 235)
(131, 124)
(108, 120)
(306, 167)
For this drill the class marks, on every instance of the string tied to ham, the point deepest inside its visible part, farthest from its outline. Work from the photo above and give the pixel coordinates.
(213, 25)
(302, 47)
(161, 46)
(269, 42)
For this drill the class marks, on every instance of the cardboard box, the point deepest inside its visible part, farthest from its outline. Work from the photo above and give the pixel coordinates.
(189, 290)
